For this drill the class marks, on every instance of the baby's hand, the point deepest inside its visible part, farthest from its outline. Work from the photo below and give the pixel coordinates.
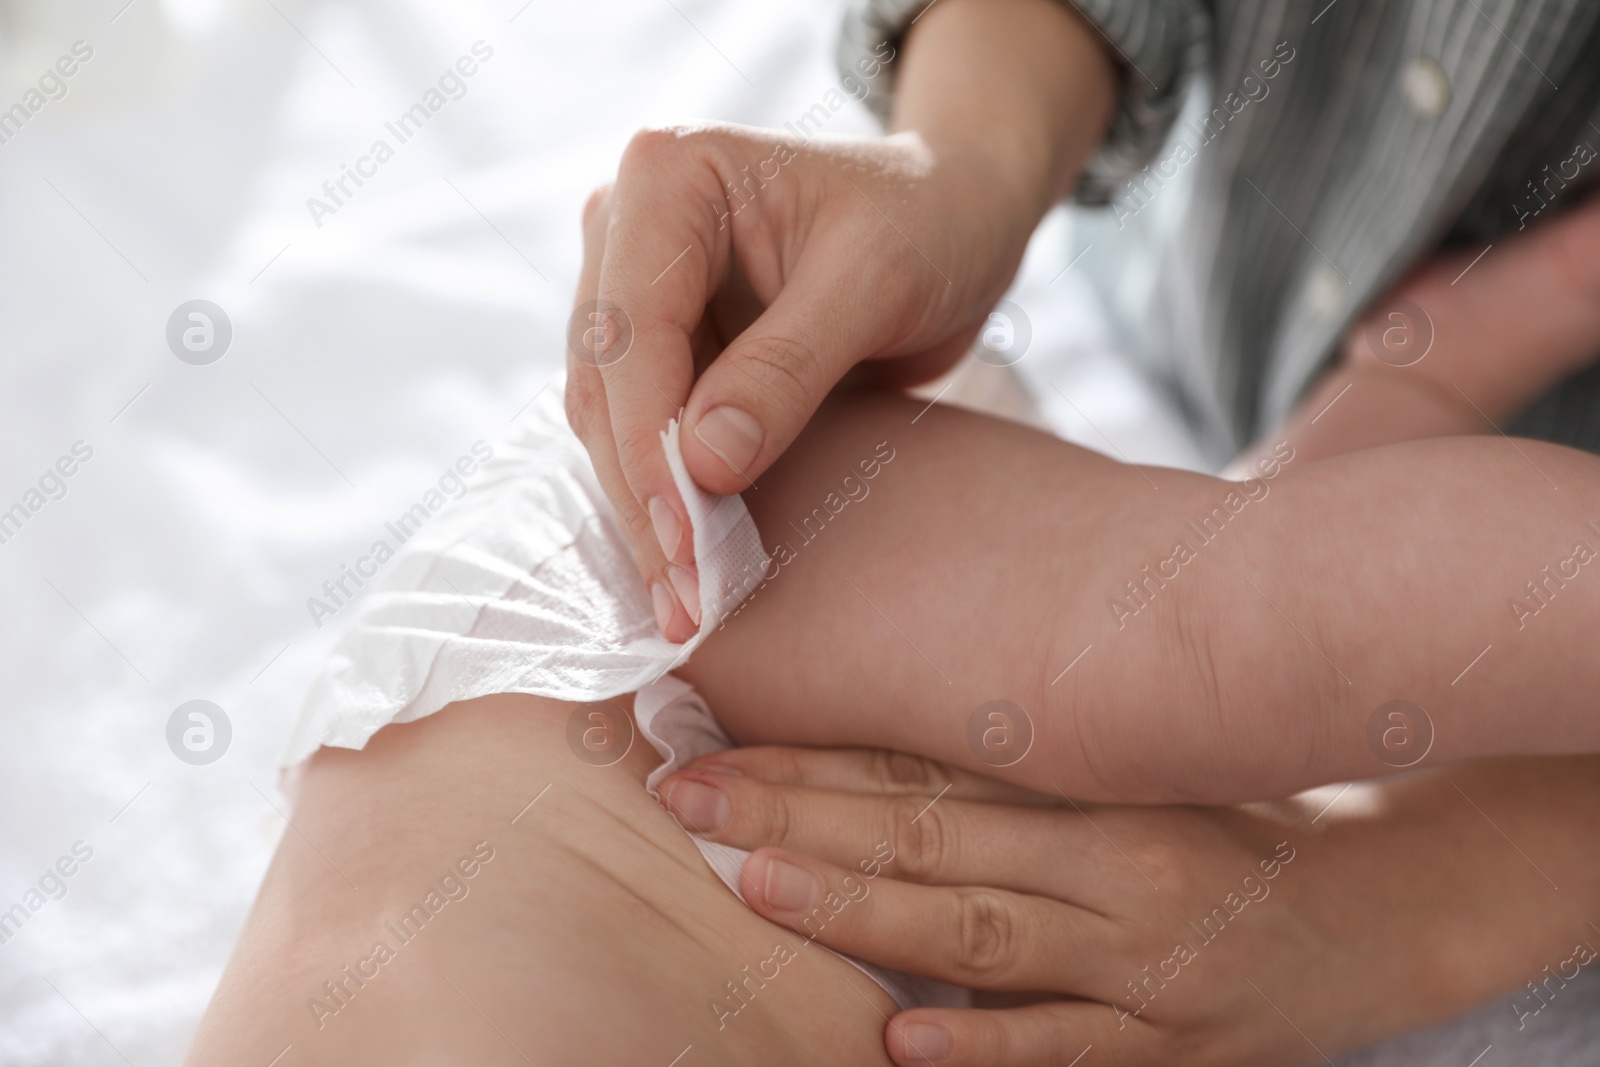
(1463, 344)
(1493, 328)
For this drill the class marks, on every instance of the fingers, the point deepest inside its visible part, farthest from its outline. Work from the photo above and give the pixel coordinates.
(1102, 859)
(1052, 1034)
(688, 205)
(980, 938)
(759, 393)
(590, 420)
(943, 842)
(868, 770)
(664, 256)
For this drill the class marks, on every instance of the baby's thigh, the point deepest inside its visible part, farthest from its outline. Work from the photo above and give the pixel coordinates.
(466, 889)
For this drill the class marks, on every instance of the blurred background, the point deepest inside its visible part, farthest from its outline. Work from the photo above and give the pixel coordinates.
(342, 360)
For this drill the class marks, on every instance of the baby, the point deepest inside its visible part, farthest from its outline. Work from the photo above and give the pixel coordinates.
(590, 932)
(986, 562)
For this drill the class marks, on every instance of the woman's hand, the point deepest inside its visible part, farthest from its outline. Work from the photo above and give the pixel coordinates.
(1271, 934)
(856, 248)
(734, 275)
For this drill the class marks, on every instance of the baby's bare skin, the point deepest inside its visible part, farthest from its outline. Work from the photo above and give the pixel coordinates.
(594, 934)
(977, 564)
(986, 558)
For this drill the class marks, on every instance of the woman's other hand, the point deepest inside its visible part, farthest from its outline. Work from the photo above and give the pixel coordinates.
(1277, 933)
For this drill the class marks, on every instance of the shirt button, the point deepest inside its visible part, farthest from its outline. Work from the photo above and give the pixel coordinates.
(1426, 88)
(1327, 292)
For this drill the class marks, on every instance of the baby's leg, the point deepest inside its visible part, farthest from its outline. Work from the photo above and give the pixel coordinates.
(1171, 637)
(928, 561)
(596, 933)
(570, 920)
(925, 564)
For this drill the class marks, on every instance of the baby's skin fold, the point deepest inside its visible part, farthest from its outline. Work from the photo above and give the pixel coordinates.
(1171, 637)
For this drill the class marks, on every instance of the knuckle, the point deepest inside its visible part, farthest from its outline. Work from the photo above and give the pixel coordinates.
(665, 164)
(787, 764)
(647, 148)
(637, 445)
(641, 535)
(923, 837)
(654, 150)
(896, 770)
(782, 365)
(986, 935)
(771, 764)
(776, 822)
(1164, 864)
(580, 404)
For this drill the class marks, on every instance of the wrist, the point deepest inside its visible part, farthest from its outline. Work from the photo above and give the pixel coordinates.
(1002, 194)
(1013, 94)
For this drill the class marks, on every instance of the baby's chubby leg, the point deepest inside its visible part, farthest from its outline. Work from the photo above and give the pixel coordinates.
(929, 561)
(466, 889)
(1170, 637)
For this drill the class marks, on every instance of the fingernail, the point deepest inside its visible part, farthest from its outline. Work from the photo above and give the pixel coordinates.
(927, 1042)
(733, 434)
(688, 587)
(664, 604)
(669, 531)
(789, 888)
(703, 808)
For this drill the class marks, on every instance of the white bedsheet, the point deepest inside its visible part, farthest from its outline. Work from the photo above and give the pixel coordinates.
(367, 355)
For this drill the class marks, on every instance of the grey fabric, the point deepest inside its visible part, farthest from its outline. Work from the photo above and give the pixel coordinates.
(1393, 127)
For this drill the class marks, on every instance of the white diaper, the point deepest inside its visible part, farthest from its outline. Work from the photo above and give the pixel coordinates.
(526, 585)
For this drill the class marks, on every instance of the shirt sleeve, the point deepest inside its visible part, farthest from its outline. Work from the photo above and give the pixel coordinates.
(1160, 46)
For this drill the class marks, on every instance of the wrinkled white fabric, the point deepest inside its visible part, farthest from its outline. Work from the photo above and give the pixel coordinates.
(526, 585)
(523, 585)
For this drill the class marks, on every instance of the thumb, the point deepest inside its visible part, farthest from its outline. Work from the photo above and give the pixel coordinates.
(750, 404)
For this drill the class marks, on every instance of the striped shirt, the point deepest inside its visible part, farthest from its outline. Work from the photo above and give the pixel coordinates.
(1278, 165)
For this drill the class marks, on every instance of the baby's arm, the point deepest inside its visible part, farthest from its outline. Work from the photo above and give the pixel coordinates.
(984, 562)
